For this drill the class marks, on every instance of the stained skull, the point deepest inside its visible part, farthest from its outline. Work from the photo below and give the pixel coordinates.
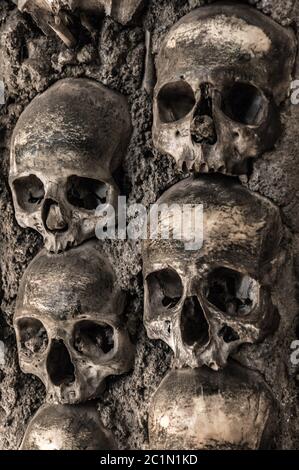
(197, 409)
(69, 324)
(65, 148)
(205, 303)
(65, 427)
(223, 71)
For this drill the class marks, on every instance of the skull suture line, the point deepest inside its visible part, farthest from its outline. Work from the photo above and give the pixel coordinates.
(222, 73)
(69, 323)
(65, 148)
(206, 303)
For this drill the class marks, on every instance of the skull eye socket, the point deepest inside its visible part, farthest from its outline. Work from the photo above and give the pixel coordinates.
(86, 193)
(175, 101)
(232, 292)
(165, 288)
(30, 192)
(244, 103)
(33, 336)
(93, 340)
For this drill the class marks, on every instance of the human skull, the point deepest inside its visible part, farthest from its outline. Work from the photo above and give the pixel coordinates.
(222, 70)
(65, 427)
(204, 303)
(65, 148)
(197, 409)
(69, 324)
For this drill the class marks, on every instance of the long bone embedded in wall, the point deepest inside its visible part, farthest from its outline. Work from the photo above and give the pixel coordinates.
(65, 17)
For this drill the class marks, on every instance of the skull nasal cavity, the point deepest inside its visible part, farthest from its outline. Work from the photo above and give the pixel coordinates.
(53, 217)
(202, 127)
(59, 365)
(194, 326)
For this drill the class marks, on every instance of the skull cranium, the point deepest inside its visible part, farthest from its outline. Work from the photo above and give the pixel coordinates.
(64, 427)
(197, 409)
(69, 323)
(223, 70)
(205, 303)
(65, 148)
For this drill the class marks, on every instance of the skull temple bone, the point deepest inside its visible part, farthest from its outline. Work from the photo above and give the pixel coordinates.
(223, 71)
(65, 148)
(69, 324)
(206, 303)
(65, 427)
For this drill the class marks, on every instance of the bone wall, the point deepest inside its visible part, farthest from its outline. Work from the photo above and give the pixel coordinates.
(115, 56)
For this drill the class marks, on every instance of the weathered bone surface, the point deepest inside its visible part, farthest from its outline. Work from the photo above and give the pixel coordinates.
(51, 17)
(69, 324)
(65, 427)
(198, 409)
(122, 11)
(222, 73)
(60, 15)
(65, 148)
(206, 303)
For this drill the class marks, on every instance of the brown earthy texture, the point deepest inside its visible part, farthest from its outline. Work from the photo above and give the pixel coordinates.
(115, 56)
